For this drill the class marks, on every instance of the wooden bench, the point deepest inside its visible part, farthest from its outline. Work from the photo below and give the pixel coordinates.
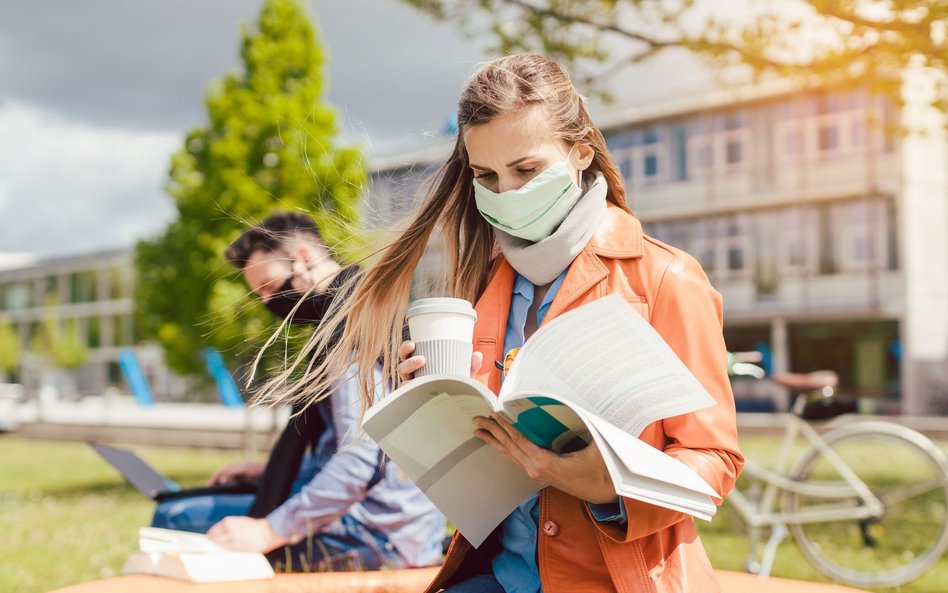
(392, 581)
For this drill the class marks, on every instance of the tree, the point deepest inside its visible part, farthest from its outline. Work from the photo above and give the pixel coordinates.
(268, 145)
(817, 42)
(9, 348)
(61, 346)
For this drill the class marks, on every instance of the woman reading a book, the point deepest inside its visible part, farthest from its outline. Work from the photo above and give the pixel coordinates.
(532, 213)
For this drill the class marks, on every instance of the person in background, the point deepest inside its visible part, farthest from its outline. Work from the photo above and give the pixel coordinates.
(325, 501)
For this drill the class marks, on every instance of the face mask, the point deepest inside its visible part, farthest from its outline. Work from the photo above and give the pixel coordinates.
(533, 211)
(311, 310)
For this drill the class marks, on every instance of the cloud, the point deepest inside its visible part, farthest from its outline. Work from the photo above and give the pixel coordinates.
(66, 186)
(392, 72)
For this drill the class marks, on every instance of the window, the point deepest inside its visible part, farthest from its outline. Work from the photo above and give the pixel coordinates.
(648, 154)
(828, 137)
(651, 165)
(827, 263)
(717, 143)
(735, 242)
(18, 296)
(679, 150)
(125, 335)
(858, 132)
(891, 234)
(119, 283)
(796, 241)
(706, 233)
(623, 157)
(793, 142)
(83, 286)
(701, 155)
(733, 152)
(93, 332)
(861, 245)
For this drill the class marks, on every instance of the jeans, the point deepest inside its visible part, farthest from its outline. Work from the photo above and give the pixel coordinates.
(482, 583)
(345, 546)
(198, 513)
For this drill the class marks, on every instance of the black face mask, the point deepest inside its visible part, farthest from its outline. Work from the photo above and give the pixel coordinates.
(311, 310)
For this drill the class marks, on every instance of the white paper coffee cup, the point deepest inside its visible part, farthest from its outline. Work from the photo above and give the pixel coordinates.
(443, 332)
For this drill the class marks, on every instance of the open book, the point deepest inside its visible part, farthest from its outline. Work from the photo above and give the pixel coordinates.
(600, 372)
(193, 557)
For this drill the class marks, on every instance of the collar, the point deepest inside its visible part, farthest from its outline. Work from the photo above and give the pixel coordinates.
(619, 235)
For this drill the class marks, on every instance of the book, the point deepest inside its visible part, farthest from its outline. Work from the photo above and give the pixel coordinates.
(193, 557)
(598, 373)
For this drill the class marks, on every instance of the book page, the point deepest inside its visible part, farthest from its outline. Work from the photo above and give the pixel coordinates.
(606, 358)
(426, 427)
(159, 540)
(676, 487)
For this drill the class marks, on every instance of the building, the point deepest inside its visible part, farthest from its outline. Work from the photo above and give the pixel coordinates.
(823, 228)
(92, 293)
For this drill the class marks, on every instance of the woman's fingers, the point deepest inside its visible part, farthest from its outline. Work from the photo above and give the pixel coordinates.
(405, 350)
(409, 364)
(407, 368)
(477, 359)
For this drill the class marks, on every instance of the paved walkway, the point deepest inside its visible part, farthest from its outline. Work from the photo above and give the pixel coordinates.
(393, 581)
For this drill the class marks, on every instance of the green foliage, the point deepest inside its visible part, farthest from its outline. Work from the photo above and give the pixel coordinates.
(62, 346)
(815, 42)
(268, 145)
(9, 347)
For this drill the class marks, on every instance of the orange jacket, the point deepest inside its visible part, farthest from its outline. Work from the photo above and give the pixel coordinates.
(658, 550)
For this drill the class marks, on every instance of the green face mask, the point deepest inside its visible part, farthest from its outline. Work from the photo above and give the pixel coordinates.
(533, 211)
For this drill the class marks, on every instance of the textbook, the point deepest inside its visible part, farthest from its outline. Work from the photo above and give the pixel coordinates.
(193, 557)
(598, 373)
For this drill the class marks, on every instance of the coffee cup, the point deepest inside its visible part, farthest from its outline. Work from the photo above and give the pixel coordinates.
(443, 332)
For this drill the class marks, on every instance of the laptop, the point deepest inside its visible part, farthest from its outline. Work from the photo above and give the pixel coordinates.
(156, 486)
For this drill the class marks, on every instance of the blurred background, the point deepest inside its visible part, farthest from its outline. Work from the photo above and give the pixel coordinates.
(797, 149)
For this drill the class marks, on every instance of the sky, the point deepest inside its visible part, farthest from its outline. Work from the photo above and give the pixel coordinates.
(95, 95)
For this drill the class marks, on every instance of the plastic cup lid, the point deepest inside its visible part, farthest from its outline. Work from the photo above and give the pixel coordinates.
(447, 305)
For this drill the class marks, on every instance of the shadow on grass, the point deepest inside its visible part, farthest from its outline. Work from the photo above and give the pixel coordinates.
(111, 488)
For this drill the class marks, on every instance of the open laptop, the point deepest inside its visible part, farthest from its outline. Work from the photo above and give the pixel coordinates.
(154, 485)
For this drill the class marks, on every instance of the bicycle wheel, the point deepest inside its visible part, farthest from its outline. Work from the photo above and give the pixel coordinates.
(907, 473)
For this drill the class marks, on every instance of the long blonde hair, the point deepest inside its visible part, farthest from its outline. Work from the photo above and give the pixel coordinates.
(372, 308)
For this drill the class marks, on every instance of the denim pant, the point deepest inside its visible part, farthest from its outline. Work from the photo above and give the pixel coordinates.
(345, 545)
(198, 513)
(482, 583)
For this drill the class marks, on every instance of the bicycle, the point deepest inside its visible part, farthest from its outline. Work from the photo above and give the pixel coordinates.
(866, 503)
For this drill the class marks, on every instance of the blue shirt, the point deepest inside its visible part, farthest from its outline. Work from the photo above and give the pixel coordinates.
(332, 482)
(515, 566)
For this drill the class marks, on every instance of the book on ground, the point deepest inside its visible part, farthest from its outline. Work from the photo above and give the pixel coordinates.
(598, 373)
(193, 557)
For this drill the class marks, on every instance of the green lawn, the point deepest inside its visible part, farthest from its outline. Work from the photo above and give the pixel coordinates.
(66, 516)
(728, 548)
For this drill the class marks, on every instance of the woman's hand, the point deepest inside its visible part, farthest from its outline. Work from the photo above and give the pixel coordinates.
(409, 364)
(582, 474)
(240, 470)
(245, 534)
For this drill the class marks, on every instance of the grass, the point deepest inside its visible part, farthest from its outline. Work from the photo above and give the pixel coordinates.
(67, 517)
(728, 548)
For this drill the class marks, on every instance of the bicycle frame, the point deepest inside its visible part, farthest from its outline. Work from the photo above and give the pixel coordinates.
(762, 513)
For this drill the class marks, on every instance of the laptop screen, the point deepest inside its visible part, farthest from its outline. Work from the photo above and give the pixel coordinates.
(134, 469)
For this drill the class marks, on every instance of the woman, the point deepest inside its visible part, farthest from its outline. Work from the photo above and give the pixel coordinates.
(534, 221)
